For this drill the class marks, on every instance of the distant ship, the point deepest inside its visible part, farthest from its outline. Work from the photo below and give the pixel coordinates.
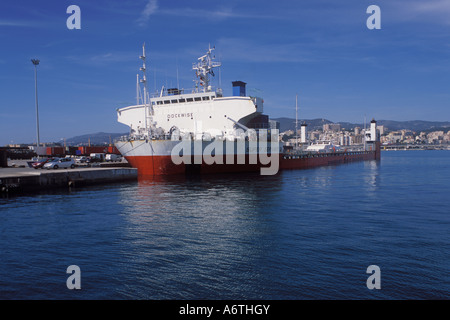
(202, 131)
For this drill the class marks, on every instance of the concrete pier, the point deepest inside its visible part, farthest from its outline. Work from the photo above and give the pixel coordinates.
(29, 179)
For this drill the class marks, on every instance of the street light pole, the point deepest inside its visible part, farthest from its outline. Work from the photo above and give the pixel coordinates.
(35, 63)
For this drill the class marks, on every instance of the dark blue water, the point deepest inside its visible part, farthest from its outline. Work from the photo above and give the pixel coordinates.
(303, 234)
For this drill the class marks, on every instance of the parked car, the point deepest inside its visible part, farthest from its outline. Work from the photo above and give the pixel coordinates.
(60, 163)
(81, 160)
(90, 160)
(97, 157)
(113, 157)
(40, 163)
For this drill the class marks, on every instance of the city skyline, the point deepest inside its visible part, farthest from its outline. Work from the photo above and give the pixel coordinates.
(320, 50)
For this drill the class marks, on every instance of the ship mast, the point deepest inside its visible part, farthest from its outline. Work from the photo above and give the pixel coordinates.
(204, 68)
(296, 121)
(147, 108)
(137, 89)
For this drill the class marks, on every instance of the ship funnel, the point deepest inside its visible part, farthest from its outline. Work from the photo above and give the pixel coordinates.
(373, 130)
(238, 88)
(303, 133)
(372, 134)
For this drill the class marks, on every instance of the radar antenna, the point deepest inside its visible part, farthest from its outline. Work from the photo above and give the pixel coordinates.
(204, 68)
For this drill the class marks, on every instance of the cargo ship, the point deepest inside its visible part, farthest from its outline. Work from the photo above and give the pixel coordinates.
(178, 131)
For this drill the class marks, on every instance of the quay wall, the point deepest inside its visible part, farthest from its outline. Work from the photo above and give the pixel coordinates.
(25, 180)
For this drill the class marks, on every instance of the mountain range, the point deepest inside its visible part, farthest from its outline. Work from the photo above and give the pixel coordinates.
(99, 138)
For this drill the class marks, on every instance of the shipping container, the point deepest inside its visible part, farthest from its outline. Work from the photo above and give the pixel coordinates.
(86, 151)
(55, 151)
(71, 150)
(113, 150)
(41, 151)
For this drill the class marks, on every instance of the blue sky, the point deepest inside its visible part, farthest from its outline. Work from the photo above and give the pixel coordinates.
(318, 49)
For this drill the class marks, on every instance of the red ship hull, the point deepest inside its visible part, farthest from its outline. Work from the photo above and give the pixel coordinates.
(326, 159)
(163, 165)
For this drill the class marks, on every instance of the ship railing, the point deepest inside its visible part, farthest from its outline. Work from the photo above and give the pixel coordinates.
(136, 137)
(255, 136)
(328, 152)
(167, 92)
(315, 154)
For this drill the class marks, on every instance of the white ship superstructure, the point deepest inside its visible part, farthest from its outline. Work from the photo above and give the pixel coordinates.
(200, 112)
(197, 113)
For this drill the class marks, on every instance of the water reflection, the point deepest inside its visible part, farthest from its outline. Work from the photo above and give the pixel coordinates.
(371, 177)
(193, 232)
(200, 194)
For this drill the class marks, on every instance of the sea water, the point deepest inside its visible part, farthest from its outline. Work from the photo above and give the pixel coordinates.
(300, 234)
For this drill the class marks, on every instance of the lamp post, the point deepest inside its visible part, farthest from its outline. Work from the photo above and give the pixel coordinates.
(35, 63)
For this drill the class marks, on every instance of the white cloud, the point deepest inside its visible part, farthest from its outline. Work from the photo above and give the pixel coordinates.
(436, 6)
(251, 51)
(219, 14)
(150, 8)
(435, 11)
(103, 58)
(11, 23)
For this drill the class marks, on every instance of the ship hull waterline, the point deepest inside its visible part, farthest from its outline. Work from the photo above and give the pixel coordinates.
(161, 164)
